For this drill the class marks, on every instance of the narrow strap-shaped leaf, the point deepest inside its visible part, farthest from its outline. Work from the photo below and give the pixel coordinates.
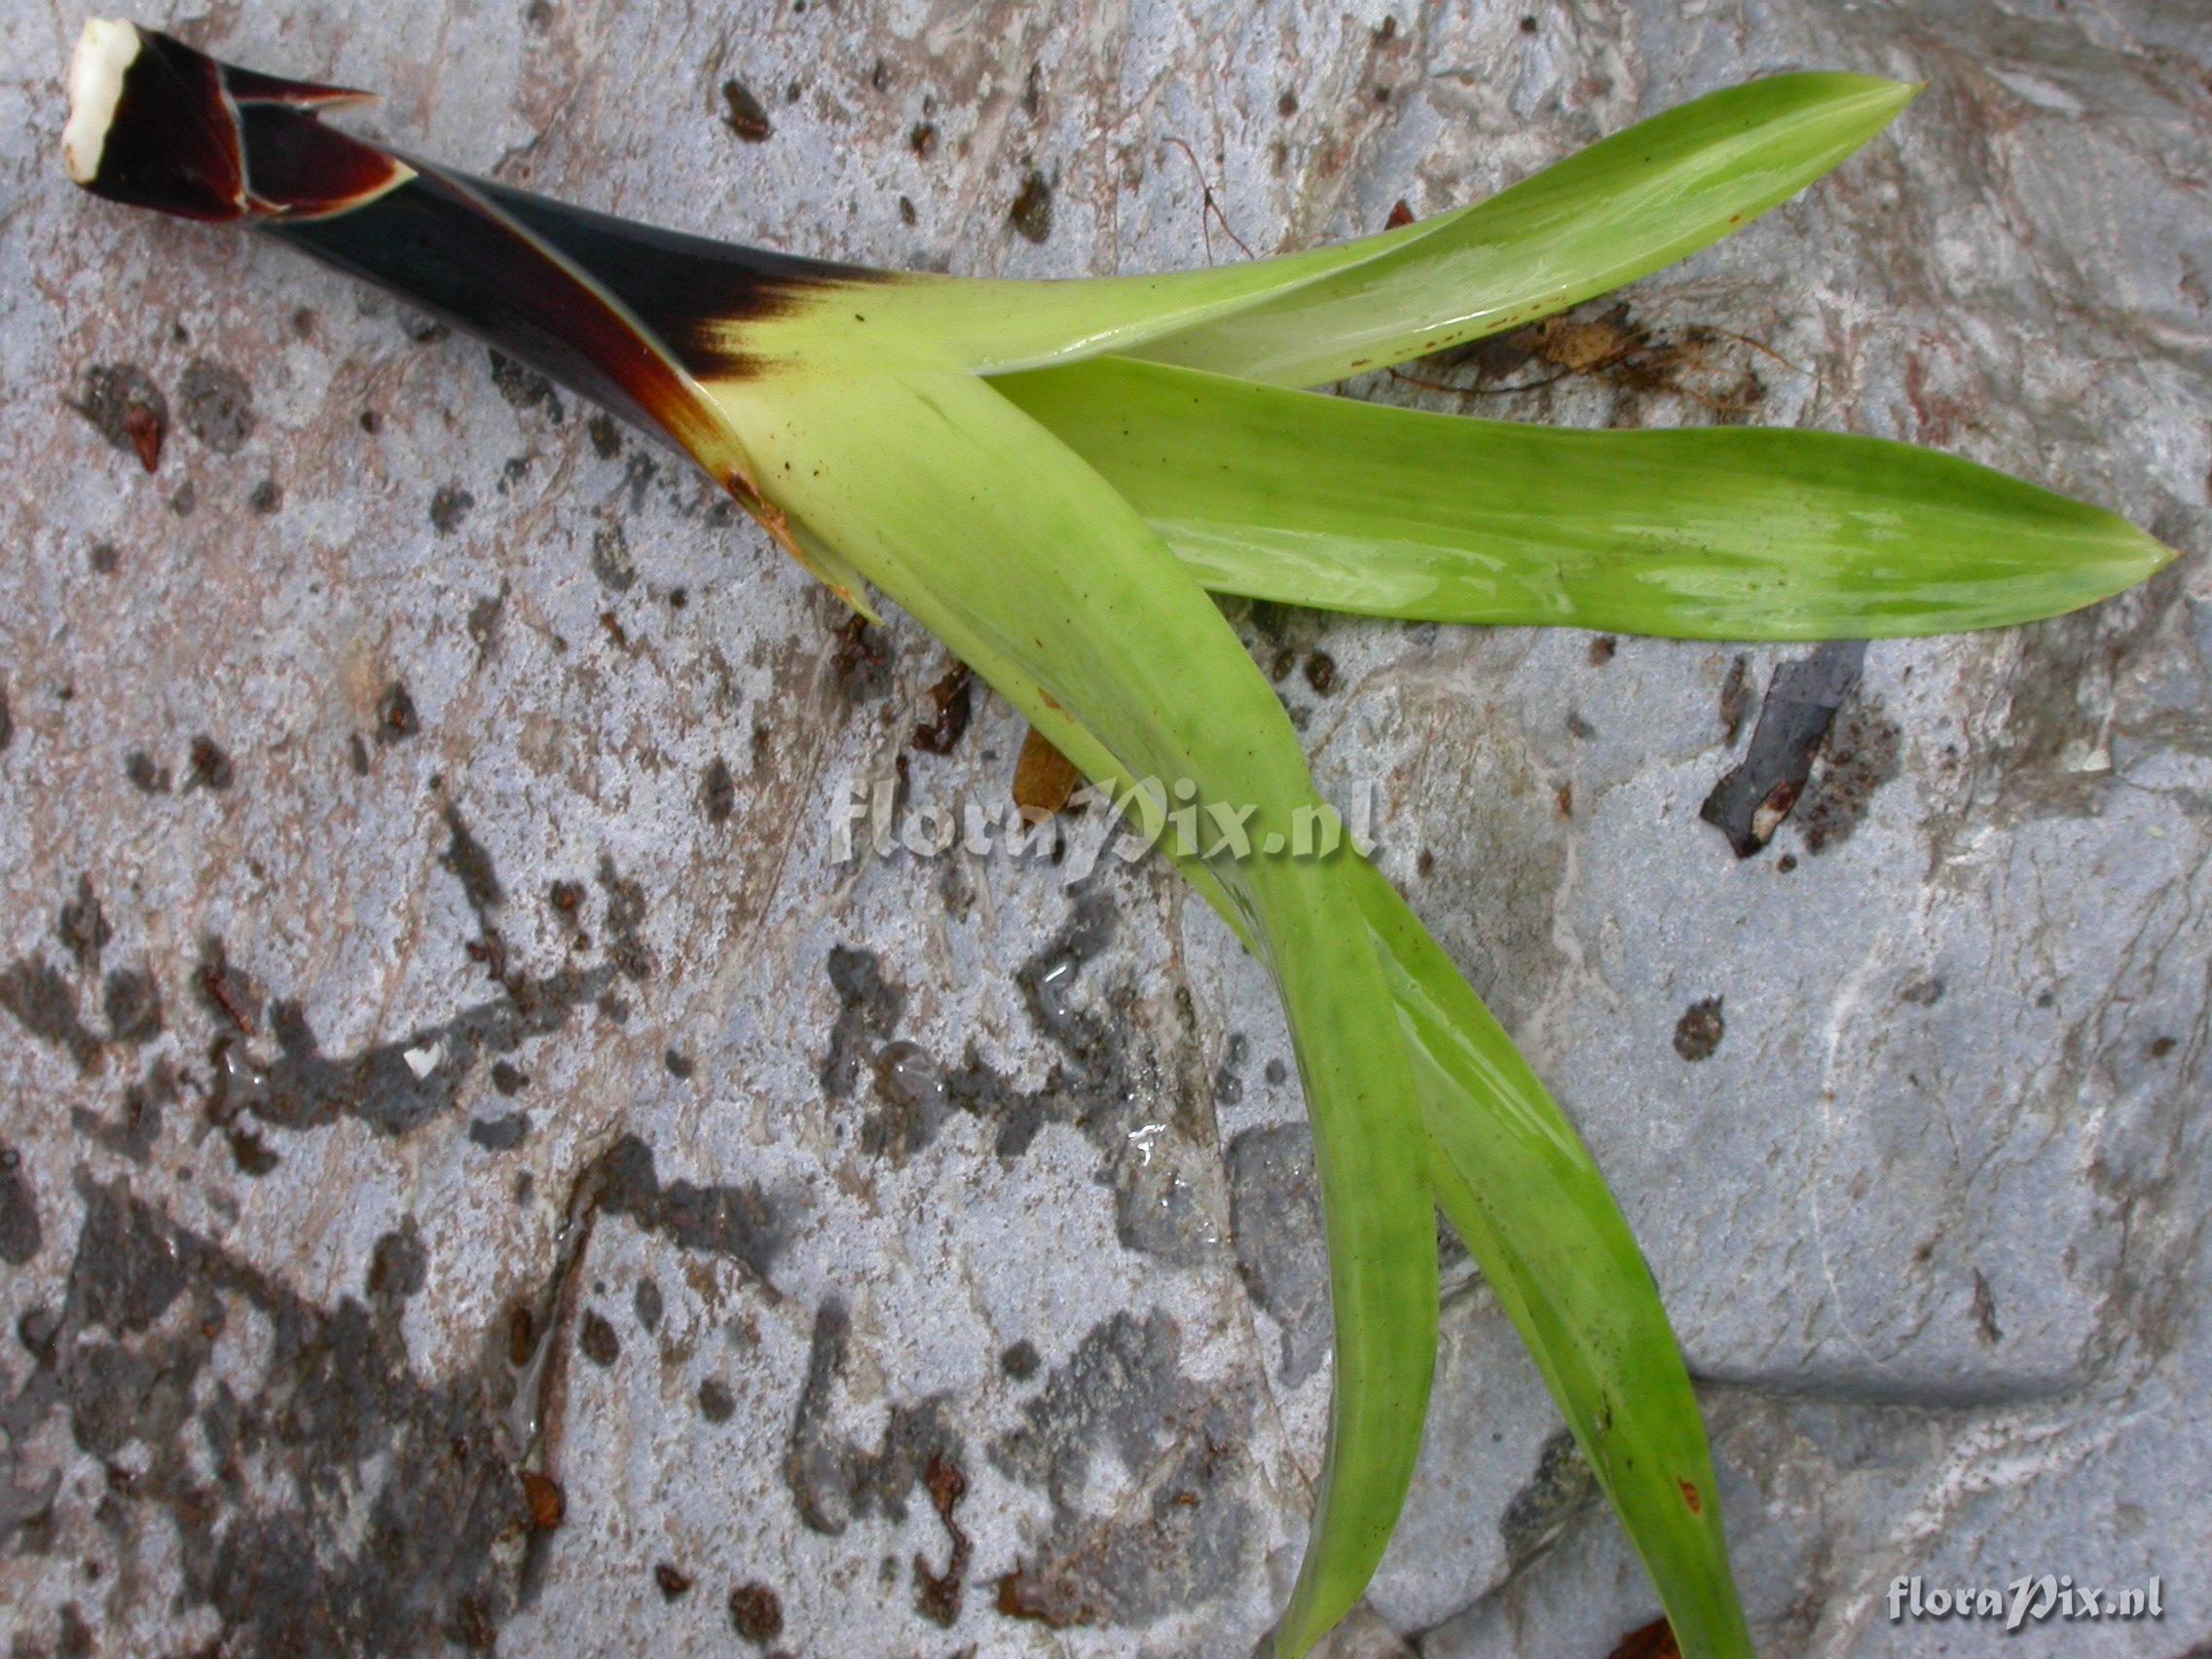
(1006, 547)
(1725, 532)
(1520, 1188)
(1606, 215)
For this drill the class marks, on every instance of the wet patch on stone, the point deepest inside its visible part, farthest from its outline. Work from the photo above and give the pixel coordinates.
(868, 1007)
(44, 1004)
(1140, 1110)
(330, 1500)
(215, 405)
(1182, 1533)
(1558, 1490)
(835, 1480)
(1861, 754)
(740, 1223)
(1274, 1210)
(20, 1233)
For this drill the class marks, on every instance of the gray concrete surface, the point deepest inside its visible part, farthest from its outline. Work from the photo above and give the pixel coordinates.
(441, 1044)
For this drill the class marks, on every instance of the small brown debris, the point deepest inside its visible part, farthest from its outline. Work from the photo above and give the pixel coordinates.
(1025, 1595)
(1602, 650)
(395, 713)
(1656, 1639)
(857, 648)
(1400, 217)
(757, 1613)
(127, 408)
(1564, 800)
(718, 792)
(744, 114)
(145, 430)
(673, 1581)
(211, 767)
(951, 701)
(937, 1596)
(922, 139)
(449, 507)
(1043, 778)
(1735, 696)
(548, 1503)
(521, 1336)
(1032, 211)
(1321, 672)
(1286, 106)
(1699, 1031)
(597, 1340)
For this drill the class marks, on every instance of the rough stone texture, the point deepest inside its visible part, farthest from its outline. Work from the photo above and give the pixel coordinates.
(428, 963)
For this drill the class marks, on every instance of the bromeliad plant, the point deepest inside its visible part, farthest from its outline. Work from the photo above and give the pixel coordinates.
(1053, 476)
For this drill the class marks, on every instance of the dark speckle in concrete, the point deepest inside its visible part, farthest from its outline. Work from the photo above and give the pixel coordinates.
(597, 1341)
(1553, 1496)
(212, 767)
(718, 792)
(132, 1004)
(1698, 1033)
(1186, 1539)
(19, 1232)
(396, 719)
(81, 926)
(145, 777)
(378, 1522)
(449, 507)
(1032, 211)
(610, 559)
(215, 405)
(525, 387)
(755, 1612)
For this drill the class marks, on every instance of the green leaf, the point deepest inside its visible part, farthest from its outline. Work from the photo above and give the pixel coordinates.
(1625, 206)
(1724, 534)
(1606, 215)
(1023, 562)
(1518, 1187)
